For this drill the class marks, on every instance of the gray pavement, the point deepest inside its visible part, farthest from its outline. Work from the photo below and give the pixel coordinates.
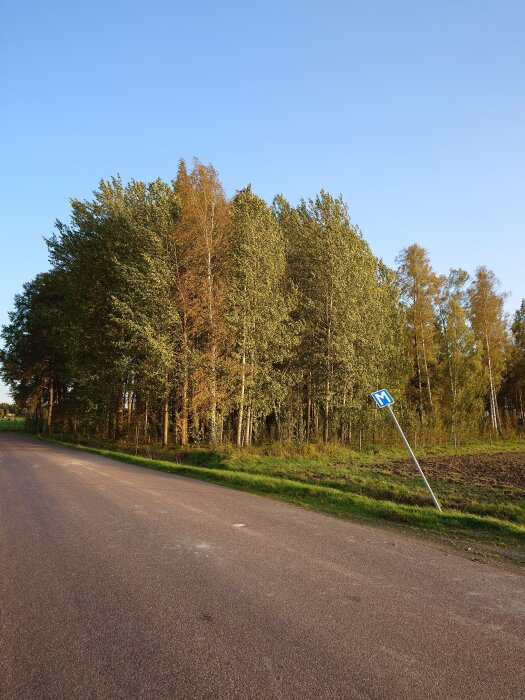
(120, 582)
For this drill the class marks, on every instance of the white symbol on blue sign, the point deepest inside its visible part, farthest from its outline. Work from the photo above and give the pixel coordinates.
(382, 398)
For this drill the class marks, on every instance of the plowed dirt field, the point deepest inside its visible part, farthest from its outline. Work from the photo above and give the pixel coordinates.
(500, 469)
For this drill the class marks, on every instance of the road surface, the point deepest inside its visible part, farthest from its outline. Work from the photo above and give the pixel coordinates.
(121, 582)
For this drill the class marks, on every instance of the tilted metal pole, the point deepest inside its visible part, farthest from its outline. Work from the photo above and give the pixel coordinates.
(414, 458)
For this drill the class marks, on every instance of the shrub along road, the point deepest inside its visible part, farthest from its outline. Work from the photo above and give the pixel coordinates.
(123, 582)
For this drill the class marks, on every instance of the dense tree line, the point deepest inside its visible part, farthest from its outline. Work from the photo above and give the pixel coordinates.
(170, 313)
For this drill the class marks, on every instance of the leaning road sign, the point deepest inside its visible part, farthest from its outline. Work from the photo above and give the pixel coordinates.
(382, 399)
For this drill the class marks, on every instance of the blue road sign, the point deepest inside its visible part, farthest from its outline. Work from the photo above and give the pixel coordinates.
(382, 398)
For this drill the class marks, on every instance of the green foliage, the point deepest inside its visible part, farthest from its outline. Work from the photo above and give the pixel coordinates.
(419, 287)
(347, 312)
(122, 329)
(34, 361)
(172, 314)
(461, 375)
(489, 324)
(514, 386)
(16, 423)
(257, 308)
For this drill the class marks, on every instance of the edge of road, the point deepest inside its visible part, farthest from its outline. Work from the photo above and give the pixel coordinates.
(472, 534)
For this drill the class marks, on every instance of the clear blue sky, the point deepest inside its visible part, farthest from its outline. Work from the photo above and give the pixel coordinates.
(414, 111)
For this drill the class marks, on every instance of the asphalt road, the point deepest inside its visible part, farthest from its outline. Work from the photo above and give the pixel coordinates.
(120, 582)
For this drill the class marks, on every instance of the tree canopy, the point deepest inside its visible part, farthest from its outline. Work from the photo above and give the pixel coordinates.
(171, 313)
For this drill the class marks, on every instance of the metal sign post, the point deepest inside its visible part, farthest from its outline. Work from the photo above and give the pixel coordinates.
(383, 399)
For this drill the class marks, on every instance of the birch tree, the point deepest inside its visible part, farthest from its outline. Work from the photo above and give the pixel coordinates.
(341, 305)
(489, 324)
(419, 287)
(257, 309)
(460, 371)
(113, 260)
(516, 378)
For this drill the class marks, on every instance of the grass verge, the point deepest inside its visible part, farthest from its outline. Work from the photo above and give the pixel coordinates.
(15, 424)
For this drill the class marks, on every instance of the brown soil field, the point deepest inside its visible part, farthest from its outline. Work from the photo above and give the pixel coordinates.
(499, 469)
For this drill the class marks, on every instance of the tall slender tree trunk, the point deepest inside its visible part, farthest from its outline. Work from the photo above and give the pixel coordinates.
(498, 417)
(453, 392)
(330, 303)
(213, 352)
(221, 427)
(492, 393)
(300, 416)
(185, 385)
(38, 412)
(249, 425)
(184, 412)
(243, 386)
(166, 410)
(165, 421)
(50, 409)
(426, 366)
(419, 381)
(493, 407)
(326, 434)
(309, 409)
(119, 414)
(130, 406)
(194, 417)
